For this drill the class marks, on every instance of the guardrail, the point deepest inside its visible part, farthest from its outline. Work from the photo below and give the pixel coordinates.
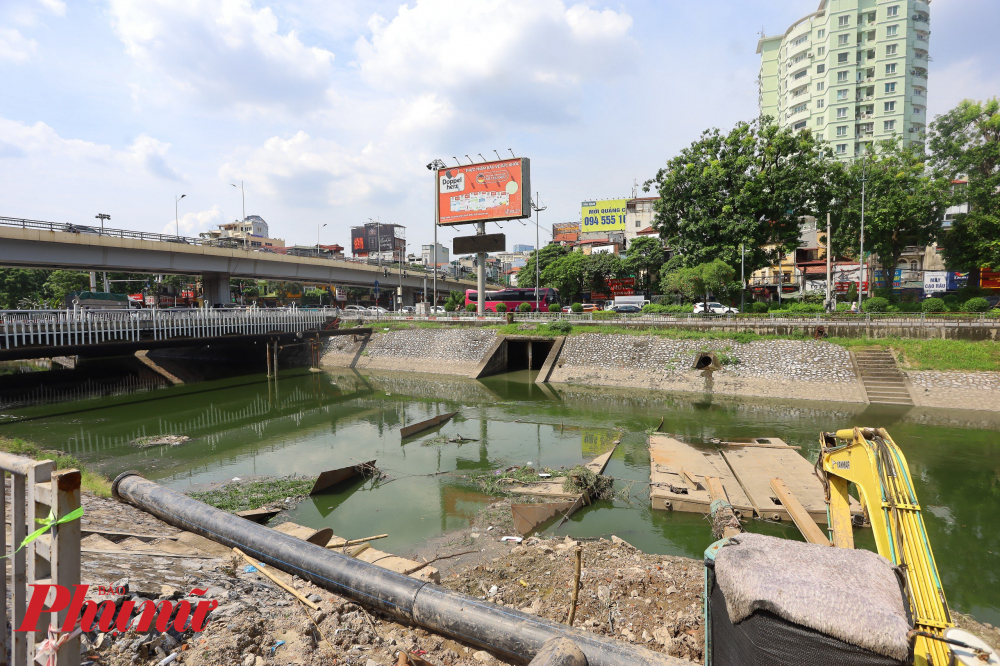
(39, 495)
(56, 328)
(233, 243)
(880, 319)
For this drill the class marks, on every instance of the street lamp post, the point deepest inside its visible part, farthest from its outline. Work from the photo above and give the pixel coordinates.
(243, 197)
(538, 270)
(861, 266)
(102, 217)
(318, 227)
(743, 281)
(436, 167)
(177, 220)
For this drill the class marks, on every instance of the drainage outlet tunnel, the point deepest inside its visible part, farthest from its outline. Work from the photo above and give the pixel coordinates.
(527, 354)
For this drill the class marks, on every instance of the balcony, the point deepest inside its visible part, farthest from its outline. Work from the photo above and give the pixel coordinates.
(864, 116)
(921, 18)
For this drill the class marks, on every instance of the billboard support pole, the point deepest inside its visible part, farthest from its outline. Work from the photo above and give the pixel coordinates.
(434, 250)
(481, 273)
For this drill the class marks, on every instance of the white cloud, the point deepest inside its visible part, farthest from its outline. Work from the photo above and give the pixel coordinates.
(524, 60)
(57, 7)
(307, 172)
(14, 46)
(226, 52)
(39, 141)
(193, 223)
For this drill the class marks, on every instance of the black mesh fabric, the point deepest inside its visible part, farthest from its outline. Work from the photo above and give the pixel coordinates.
(765, 639)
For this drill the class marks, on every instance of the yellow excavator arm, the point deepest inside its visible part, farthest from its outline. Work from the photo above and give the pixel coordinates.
(870, 459)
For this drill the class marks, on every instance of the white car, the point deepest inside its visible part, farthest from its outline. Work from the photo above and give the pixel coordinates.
(438, 309)
(714, 308)
(377, 310)
(351, 309)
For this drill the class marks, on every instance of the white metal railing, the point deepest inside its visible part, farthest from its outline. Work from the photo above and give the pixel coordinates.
(916, 319)
(37, 494)
(59, 328)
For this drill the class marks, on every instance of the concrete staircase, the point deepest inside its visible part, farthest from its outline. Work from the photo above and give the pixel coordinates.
(881, 378)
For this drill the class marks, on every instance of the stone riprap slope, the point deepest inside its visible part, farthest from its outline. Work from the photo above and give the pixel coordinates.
(448, 351)
(956, 390)
(805, 370)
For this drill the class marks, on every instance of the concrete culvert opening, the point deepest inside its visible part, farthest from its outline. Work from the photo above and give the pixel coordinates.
(706, 361)
(527, 354)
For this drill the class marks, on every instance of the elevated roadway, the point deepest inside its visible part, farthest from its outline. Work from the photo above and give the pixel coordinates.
(64, 246)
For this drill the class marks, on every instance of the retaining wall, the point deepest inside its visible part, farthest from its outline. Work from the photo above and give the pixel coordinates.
(456, 351)
(956, 390)
(805, 370)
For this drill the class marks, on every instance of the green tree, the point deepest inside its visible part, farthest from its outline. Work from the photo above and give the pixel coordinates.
(643, 260)
(599, 268)
(715, 277)
(547, 255)
(904, 203)
(19, 285)
(455, 300)
(59, 284)
(751, 186)
(565, 274)
(965, 143)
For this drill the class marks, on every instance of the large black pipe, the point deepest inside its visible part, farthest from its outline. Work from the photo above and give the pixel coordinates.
(497, 628)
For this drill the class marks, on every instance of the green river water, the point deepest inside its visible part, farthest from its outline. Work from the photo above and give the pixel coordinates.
(308, 422)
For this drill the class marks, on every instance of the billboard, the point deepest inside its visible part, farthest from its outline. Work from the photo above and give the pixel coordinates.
(484, 192)
(606, 215)
(989, 279)
(373, 237)
(480, 243)
(935, 281)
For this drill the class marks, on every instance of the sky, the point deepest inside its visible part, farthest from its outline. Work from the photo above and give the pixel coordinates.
(327, 111)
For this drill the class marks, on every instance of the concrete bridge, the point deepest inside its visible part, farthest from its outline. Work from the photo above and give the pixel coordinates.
(28, 334)
(56, 245)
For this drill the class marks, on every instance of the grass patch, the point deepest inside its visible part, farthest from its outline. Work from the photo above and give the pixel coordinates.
(499, 481)
(579, 479)
(245, 496)
(961, 355)
(90, 481)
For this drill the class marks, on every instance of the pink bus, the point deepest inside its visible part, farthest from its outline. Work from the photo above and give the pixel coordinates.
(513, 297)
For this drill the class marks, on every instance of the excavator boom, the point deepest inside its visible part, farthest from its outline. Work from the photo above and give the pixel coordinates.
(870, 459)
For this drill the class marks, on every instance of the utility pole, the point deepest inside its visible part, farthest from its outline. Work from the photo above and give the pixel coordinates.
(481, 274)
(743, 282)
(436, 167)
(829, 265)
(538, 249)
(243, 197)
(861, 266)
(102, 217)
(318, 227)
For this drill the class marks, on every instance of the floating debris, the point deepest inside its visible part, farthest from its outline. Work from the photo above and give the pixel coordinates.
(159, 440)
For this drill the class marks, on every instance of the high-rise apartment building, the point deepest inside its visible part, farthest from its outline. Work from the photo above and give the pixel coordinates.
(852, 72)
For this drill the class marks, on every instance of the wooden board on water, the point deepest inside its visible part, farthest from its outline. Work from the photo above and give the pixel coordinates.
(411, 430)
(529, 516)
(670, 458)
(754, 467)
(332, 477)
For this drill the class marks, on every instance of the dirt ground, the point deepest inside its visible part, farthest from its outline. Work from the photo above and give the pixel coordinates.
(650, 600)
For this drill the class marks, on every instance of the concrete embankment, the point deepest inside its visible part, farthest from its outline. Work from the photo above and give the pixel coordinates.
(455, 351)
(790, 369)
(804, 370)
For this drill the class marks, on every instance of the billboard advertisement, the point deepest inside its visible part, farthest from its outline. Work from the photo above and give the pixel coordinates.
(935, 281)
(486, 192)
(989, 279)
(606, 215)
(373, 238)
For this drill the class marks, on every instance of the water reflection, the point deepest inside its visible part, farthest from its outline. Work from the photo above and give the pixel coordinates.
(309, 422)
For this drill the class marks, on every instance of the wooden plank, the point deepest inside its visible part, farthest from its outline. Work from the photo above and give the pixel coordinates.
(715, 489)
(754, 467)
(841, 529)
(280, 583)
(598, 464)
(759, 442)
(332, 477)
(259, 516)
(690, 478)
(411, 430)
(717, 492)
(394, 563)
(529, 516)
(320, 537)
(670, 490)
(810, 530)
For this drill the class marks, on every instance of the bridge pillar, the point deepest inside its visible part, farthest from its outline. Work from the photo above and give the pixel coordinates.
(215, 287)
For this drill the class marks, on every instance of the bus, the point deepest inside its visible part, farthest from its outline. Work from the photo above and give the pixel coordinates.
(514, 297)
